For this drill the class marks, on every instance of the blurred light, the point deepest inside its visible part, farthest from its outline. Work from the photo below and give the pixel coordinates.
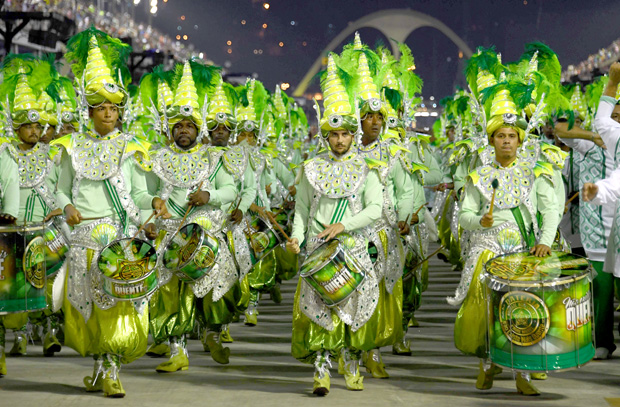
(153, 3)
(432, 98)
(136, 2)
(179, 28)
(165, 1)
(434, 104)
(304, 43)
(229, 42)
(201, 55)
(281, 44)
(264, 25)
(433, 114)
(154, 10)
(460, 54)
(422, 105)
(266, 5)
(242, 22)
(525, 2)
(229, 51)
(195, 27)
(182, 18)
(293, 23)
(260, 52)
(449, 59)
(285, 86)
(318, 96)
(411, 68)
(185, 37)
(178, 37)
(255, 52)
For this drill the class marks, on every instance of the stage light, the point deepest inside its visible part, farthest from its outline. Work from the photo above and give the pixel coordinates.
(266, 5)
(264, 25)
(229, 42)
(154, 10)
(281, 44)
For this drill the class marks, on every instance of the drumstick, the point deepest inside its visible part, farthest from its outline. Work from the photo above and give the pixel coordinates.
(420, 208)
(495, 185)
(94, 218)
(273, 221)
(140, 229)
(189, 207)
(428, 258)
(572, 198)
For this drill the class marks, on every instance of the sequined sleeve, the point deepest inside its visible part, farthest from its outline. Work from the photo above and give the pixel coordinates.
(65, 182)
(248, 191)
(9, 185)
(302, 209)
(372, 196)
(469, 217)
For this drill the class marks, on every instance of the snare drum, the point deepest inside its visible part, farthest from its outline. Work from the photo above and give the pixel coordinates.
(262, 238)
(191, 253)
(539, 311)
(56, 248)
(22, 268)
(332, 272)
(128, 269)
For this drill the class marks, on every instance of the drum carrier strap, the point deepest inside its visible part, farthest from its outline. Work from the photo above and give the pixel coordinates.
(30, 204)
(116, 203)
(526, 233)
(341, 207)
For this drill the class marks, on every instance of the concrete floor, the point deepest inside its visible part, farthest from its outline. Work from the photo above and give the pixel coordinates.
(263, 373)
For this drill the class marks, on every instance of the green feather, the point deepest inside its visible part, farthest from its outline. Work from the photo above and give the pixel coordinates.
(230, 93)
(206, 79)
(260, 98)
(548, 62)
(485, 59)
(394, 97)
(594, 91)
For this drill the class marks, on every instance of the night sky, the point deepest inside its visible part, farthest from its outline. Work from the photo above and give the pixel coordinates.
(573, 28)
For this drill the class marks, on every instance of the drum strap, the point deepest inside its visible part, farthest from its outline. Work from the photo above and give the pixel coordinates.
(116, 202)
(214, 173)
(177, 208)
(341, 207)
(527, 235)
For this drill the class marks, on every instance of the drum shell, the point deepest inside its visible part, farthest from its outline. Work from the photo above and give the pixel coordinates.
(336, 279)
(128, 289)
(22, 291)
(262, 239)
(56, 248)
(567, 332)
(199, 262)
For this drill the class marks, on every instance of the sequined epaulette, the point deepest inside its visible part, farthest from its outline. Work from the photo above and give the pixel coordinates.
(545, 169)
(140, 147)
(182, 169)
(235, 161)
(553, 154)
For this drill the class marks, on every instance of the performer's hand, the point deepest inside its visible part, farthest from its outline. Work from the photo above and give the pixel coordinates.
(589, 191)
(614, 73)
(199, 198)
(541, 250)
(290, 205)
(486, 221)
(293, 246)
(414, 219)
(236, 216)
(150, 231)
(74, 217)
(331, 231)
(598, 140)
(258, 209)
(440, 188)
(53, 213)
(268, 189)
(6, 219)
(292, 190)
(160, 208)
(403, 228)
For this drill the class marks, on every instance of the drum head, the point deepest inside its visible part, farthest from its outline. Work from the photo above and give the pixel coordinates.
(121, 260)
(523, 266)
(183, 246)
(320, 257)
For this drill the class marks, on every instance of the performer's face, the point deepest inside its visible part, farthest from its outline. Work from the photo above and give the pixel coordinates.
(616, 113)
(30, 133)
(372, 124)
(50, 134)
(67, 128)
(220, 136)
(184, 134)
(506, 141)
(340, 141)
(247, 135)
(105, 116)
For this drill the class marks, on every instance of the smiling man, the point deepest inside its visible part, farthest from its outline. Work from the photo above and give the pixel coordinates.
(336, 198)
(530, 191)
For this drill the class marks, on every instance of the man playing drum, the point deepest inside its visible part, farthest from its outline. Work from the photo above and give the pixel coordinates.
(336, 197)
(499, 206)
(101, 189)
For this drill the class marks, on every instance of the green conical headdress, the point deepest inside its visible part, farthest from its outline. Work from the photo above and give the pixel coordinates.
(252, 99)
(482, 70)
(338, 111)
(220, 106)
(99, 61)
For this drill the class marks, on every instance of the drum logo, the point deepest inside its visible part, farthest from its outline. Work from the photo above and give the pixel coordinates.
(578, 312)
(34, 262)
(130, 270)
(524, 318)
(186, 252)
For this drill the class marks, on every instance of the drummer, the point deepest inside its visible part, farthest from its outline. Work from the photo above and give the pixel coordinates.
(101, 195)
(509, 227)
(325, 210)
(195, 195)
(398, 197)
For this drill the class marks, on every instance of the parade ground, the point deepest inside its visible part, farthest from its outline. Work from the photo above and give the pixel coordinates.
(263, 373)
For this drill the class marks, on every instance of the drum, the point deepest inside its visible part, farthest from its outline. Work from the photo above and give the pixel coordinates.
(262, 238)
(56, 248)
(191, 253)
(128, 269)
(332, 272)
(22, 268)
(539, 311)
